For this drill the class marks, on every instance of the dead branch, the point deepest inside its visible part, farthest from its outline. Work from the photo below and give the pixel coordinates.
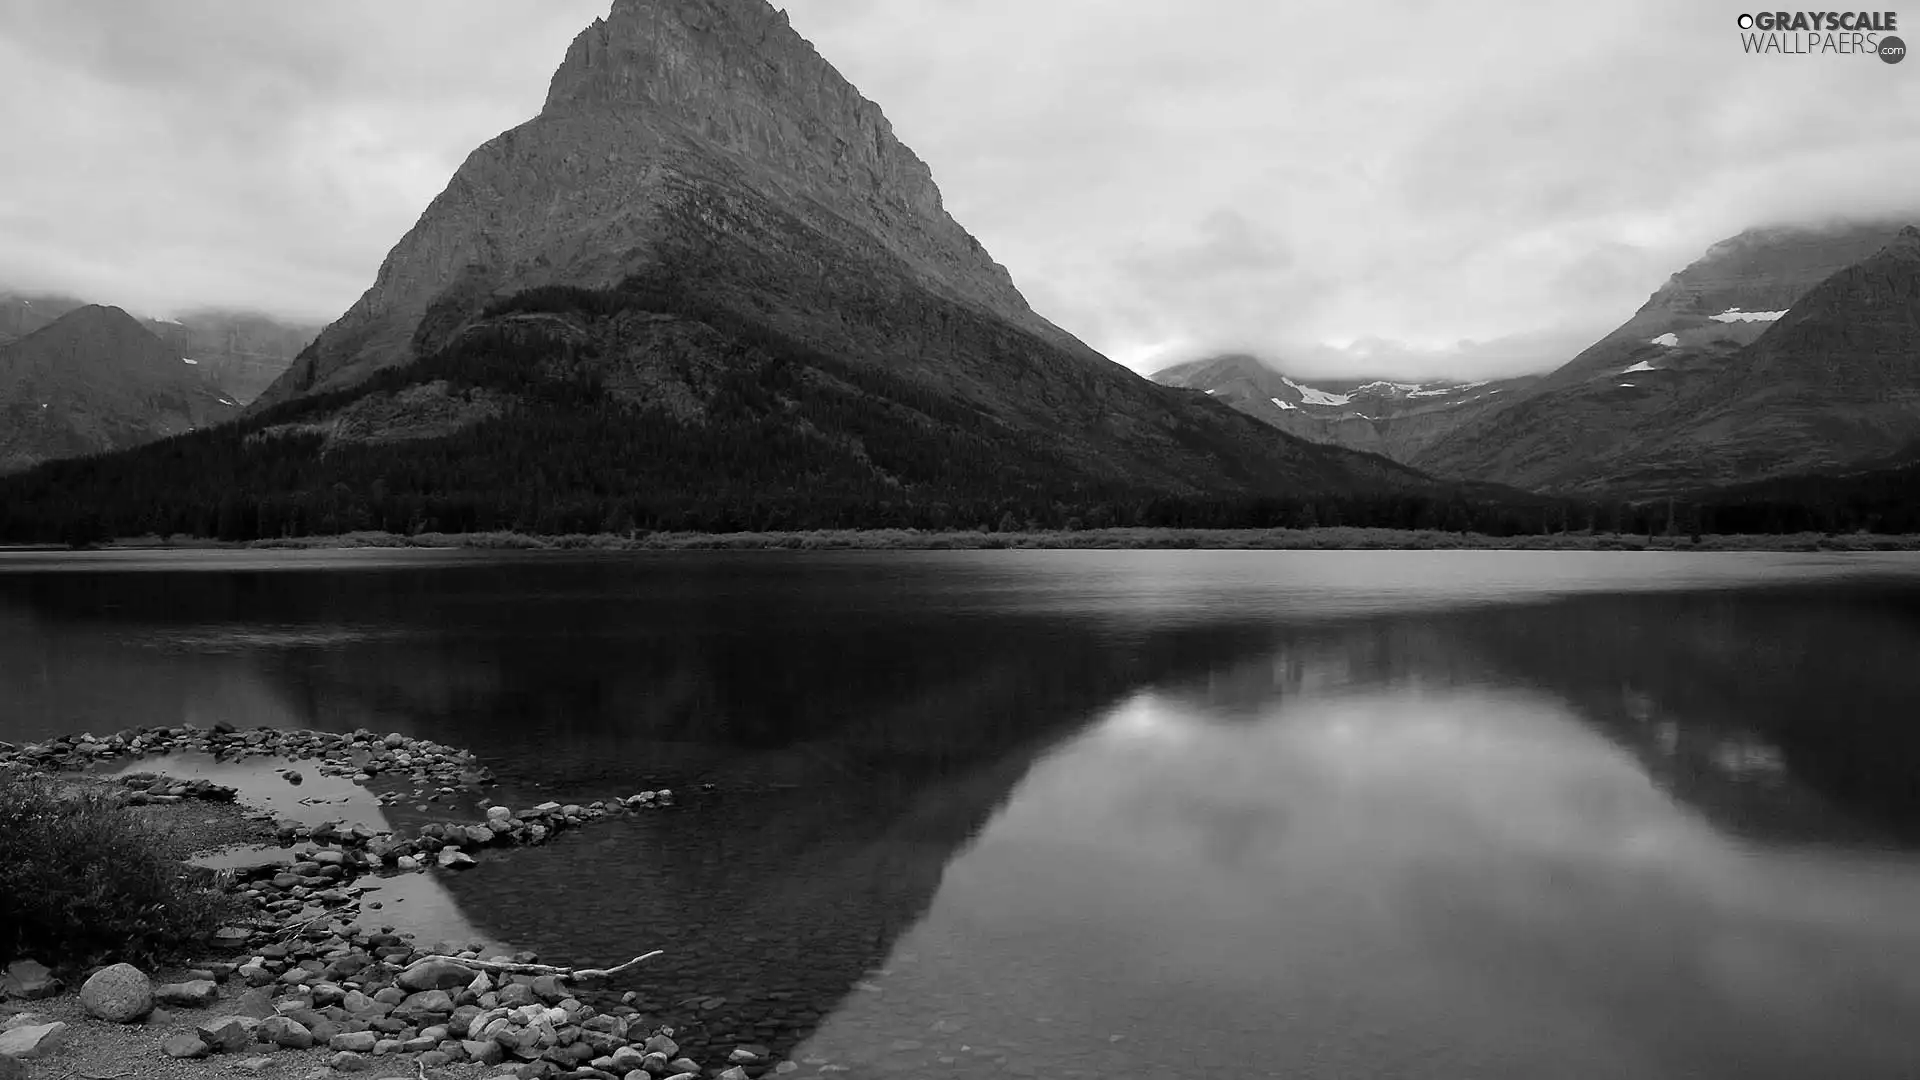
(570, 974)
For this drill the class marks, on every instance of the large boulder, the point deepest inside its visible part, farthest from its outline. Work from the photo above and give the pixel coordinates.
(120, 994)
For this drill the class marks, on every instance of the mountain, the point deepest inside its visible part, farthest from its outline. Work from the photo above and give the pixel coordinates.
(701, 154)
(239, 352)
(21, 314)
(95, 380)
(242, 352)
(1395, 419)
(689, 129)
(1661, 404)
(1834, 382)
(704, 287)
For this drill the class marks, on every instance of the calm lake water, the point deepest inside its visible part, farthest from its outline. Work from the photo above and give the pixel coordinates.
(986, 814)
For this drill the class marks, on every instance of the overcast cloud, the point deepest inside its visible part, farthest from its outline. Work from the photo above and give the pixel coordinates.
(1346, 188)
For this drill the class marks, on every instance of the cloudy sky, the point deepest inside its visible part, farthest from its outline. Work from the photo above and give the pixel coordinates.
(1406, 187)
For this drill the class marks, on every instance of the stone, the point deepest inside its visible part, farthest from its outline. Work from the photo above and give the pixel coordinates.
(735, 1073)
(683, 1065)
(455, 859)
(253, 1064)
(228, 1033)
(185, 1045)
(662, 1044)
(748, 1054)
(426, 1003)
(568, 1054)
(286, 1033)
(655, 1063)
(359, 1042)
(435, 975)
(33, 1041)
(347, 1061)
(257, 1003)
(120, 994)
(195, 994)
(28, 980)
(625, 1060)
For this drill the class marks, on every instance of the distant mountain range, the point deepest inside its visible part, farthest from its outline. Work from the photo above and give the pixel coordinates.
(1781, 351)
(1397, 419)
(92, 380)
(241, 352)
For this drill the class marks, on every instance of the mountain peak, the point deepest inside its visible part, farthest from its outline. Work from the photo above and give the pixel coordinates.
(738, 76)
(1906, 243)
(672, 128)
(100, 321)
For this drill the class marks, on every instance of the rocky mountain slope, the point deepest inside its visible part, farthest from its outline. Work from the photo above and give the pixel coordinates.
(702, 149)
(1395, 419)
(1834, 382)
(240, 352)
(95, 380)
(1661, 404)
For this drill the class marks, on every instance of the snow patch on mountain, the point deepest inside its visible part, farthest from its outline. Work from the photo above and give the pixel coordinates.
(1310, 396)
(1670, 340)
(1736, 315)
(1283, 404)
(189, 360)
(1641, 366)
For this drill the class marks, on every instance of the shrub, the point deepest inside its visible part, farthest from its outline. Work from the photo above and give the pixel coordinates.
(82, 879)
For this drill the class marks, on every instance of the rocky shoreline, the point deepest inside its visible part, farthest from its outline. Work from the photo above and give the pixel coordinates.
(299, 982)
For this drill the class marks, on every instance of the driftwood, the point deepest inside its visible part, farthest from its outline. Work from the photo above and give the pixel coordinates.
(570, 974)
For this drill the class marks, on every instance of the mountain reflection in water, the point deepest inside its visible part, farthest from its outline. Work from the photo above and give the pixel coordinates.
(1082, 813)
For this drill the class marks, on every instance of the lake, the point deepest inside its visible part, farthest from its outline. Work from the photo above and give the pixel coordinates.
(1107, 813)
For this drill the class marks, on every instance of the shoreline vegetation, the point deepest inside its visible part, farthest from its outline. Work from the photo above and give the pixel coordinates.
(276, 969)
(1331, 538)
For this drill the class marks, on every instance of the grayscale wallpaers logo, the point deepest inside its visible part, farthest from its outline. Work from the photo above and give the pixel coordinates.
(1823, 33)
